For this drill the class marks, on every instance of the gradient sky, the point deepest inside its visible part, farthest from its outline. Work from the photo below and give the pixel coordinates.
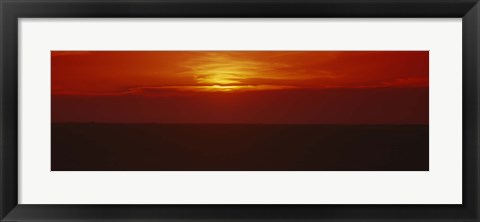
(295, 87)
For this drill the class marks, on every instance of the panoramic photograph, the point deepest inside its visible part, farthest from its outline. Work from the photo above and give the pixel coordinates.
(239, 110)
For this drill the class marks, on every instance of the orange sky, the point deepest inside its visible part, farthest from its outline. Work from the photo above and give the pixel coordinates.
(112, 77)
(98, 72)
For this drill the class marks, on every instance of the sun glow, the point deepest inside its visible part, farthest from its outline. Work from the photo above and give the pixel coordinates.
(232, 88)
(223, 73)
(218, 79)
(227, 88)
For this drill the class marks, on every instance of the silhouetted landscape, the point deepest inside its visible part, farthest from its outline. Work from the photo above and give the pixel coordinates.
(238, 147)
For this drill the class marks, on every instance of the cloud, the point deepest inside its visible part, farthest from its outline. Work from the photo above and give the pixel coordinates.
(235, 68)
(395, 83)
(407, 82)
(69, 53)
(164, 91)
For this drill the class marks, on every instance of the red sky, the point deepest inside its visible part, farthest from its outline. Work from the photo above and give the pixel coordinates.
(294, 87)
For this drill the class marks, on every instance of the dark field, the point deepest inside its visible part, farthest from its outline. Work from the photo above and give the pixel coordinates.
(202, 147)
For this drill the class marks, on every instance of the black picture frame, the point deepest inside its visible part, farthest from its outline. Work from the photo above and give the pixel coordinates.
(12, 10)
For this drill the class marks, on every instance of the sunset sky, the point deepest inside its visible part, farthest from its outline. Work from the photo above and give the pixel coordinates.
(292, 87)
